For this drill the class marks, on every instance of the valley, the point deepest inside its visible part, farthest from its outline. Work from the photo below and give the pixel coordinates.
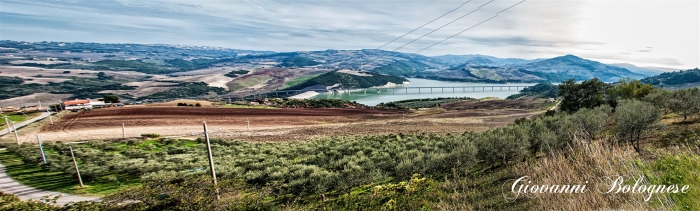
(140, 72)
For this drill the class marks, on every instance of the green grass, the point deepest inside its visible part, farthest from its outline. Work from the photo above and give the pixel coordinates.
(681, 169)
(297, 81)
(17, 118)
(39, 177)
(247, 82)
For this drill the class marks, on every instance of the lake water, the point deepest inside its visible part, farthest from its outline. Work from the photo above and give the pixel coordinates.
(385, 95)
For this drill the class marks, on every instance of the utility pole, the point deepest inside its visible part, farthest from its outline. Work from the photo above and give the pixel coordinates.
(20, 103)
(15, 128)
(59, 104)
(123, 131)
(75, 163)
(7, 122)
(48, 112)
(211, 159)
(39, 103)
(43, 156)
(247, 119)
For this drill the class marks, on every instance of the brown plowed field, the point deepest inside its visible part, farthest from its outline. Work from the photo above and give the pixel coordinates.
(287, 124)
(180, 116)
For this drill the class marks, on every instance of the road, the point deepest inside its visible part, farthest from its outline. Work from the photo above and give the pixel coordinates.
(7, 185)
(22, 124)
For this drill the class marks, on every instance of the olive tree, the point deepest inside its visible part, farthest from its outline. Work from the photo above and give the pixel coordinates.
(590, 122)
(502, 145)
(632, 118)
(660, 98)
(686, 102)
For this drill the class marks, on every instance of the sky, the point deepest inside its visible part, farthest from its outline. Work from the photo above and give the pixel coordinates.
(661, 33)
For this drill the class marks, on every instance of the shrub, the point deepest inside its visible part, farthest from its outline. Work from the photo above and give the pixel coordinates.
(150, 135)
(632, 118)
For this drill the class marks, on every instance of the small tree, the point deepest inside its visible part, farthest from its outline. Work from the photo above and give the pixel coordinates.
(587, 94)
(197, 105)
(590, 122)
(111, 99)
(660, 98)
(686, 102)
(632, 118)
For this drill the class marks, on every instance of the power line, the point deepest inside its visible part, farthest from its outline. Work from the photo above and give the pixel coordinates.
(432, 30)
(492, 17)
(460, 6)
(443, 26)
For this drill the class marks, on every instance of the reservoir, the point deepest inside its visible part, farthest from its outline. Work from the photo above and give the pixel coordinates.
(385, 95)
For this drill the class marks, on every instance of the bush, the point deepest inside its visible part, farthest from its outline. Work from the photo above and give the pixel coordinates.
(632, 118)
(150, 135)
(686, 102)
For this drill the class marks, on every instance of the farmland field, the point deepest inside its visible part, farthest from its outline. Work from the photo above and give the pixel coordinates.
(297, 81)
(284, 124)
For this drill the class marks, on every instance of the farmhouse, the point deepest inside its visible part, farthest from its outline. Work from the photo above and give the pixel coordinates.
(78, 104)
(9, 109)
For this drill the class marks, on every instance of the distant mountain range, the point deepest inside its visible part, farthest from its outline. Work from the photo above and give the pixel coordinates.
(646, 71)
(555, 69)
(170, 60)
(571, 66)
(461, 59)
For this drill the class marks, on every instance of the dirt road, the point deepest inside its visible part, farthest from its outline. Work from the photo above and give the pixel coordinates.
(24, 192)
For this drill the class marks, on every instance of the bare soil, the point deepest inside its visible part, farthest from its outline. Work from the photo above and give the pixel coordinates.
(288, 124)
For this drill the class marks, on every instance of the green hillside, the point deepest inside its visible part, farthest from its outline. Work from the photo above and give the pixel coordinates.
(402, 68)
(349, 81)
(674, 78)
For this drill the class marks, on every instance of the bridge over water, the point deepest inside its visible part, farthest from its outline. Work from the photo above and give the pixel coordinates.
(391, 90)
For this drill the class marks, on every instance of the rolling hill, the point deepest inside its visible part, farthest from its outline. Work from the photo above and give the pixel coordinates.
(677, 78)
(570, 66)
(461, 59)
(641, 70)
(345, 80)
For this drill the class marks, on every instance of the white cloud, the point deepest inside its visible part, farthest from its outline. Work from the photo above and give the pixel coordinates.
(656, 33)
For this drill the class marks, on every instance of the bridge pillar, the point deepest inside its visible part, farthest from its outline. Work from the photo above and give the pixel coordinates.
(365, 91)
(453, 90)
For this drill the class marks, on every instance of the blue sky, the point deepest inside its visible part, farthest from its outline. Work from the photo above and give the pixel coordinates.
(645, 33)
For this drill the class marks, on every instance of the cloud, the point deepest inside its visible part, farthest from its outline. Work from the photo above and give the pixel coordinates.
(526, 41)
(536, 28)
